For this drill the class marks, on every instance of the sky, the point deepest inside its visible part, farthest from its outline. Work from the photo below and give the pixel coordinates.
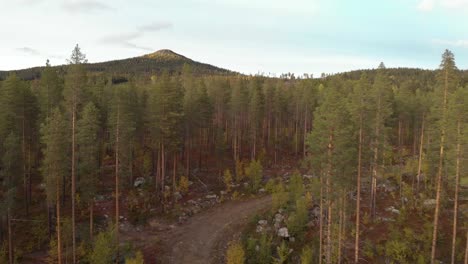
(247, 36)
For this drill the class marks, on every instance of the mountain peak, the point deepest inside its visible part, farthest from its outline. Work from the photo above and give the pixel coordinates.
(165, 54)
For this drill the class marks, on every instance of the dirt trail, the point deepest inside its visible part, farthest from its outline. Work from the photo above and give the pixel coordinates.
(204, 237)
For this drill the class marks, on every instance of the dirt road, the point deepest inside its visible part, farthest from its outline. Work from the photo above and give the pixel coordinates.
(204, 237)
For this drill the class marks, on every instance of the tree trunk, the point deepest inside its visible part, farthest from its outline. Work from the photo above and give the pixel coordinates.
(418, 179)
(321, 221)
(59, 238)
(91, 220)
(358, 194)
(457, 183)
(10, 240)
(466, 248)
(117, 194)
(439, 174)
(73, 185)
(329, 202)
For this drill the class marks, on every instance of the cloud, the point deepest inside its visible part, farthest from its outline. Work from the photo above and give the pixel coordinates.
(156, 26)
(85, 6)
(461, 43)
(29, 51)
(426, 5)
(429, 5)
(127, 39)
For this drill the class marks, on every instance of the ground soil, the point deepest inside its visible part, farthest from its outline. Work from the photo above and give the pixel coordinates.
(202, 239)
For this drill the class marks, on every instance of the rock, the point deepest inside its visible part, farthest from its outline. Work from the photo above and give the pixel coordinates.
(315, 212)
(263, 222)
(222, 193)
(139, 182)
(429, 203)
(106, 216)
(259, 229)
(246, 184)
(191, 202)
(42, 186)
(262, 190)
(283, 232)
(392, 209)
(309, 177)
(211, 196)
(279, 218)
(167, 188)
(100, 197)
(292, 239)
(177, 196)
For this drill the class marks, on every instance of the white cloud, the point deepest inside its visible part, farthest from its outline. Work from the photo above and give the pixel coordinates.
(426, 5)
(85, 6)
(429, 5)
(29, 51)
(461, 43)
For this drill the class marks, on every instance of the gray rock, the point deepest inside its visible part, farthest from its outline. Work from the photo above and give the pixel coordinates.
(139, 182)
(211, 196)
(283, 232)
(392, 209)
(263, 222)
(429, 203)
(262, 190)
(177, 196)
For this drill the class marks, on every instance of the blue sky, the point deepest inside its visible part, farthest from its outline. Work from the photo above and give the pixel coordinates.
(249, 36)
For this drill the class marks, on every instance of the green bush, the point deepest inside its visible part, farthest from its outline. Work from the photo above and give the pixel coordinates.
(254, 173)
(306, 255)
(138, 259)
(296, 187)
(104, 248)
(235, 254)
(279, 197)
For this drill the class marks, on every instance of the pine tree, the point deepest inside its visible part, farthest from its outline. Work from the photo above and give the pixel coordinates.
(54, 166)
(447, 81)
(88, 162)
(11, 168)
(75, 83)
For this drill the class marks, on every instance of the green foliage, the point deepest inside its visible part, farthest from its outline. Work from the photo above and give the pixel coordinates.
(138, 259)
(397, 250)
(307, 255)
(183, 185)
(296, 187)
(298, 219)
(239, 171)
(254, 172)
(227, 179)
(279, 197)
(283, 252)
(235, 253)
(104, 248)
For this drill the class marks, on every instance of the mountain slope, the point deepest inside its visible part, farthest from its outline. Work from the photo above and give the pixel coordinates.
(149, 64)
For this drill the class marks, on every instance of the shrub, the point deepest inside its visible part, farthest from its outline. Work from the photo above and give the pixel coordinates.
(227, 179)
(283, 253)
(183, 184)
(235, 254)
(104, 248)
(138, 259)
(279, 197)
(296, 187)
(239, 171)
(306, 255)
(254, 172)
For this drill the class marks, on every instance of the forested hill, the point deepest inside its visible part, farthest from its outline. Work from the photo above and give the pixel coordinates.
(149, 64)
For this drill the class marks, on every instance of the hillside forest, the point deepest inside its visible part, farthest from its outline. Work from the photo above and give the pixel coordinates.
(368, 166)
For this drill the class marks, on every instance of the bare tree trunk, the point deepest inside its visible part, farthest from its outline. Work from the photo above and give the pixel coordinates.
(358, 194)
(117, 194)
(439, 174)
(329, 202)
(10, 243)
(340, 228)
(466, 248)
(305, 133)
(321, 221)
(174, 183)
(418, 181)
(59, 238)
(91, 220)
(457, 183)
(73, 184)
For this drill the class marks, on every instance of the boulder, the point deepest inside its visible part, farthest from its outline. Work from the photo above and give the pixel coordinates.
(263, 222)
(429, 203)
(139, 182)
(392, 209)
(283, 232)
